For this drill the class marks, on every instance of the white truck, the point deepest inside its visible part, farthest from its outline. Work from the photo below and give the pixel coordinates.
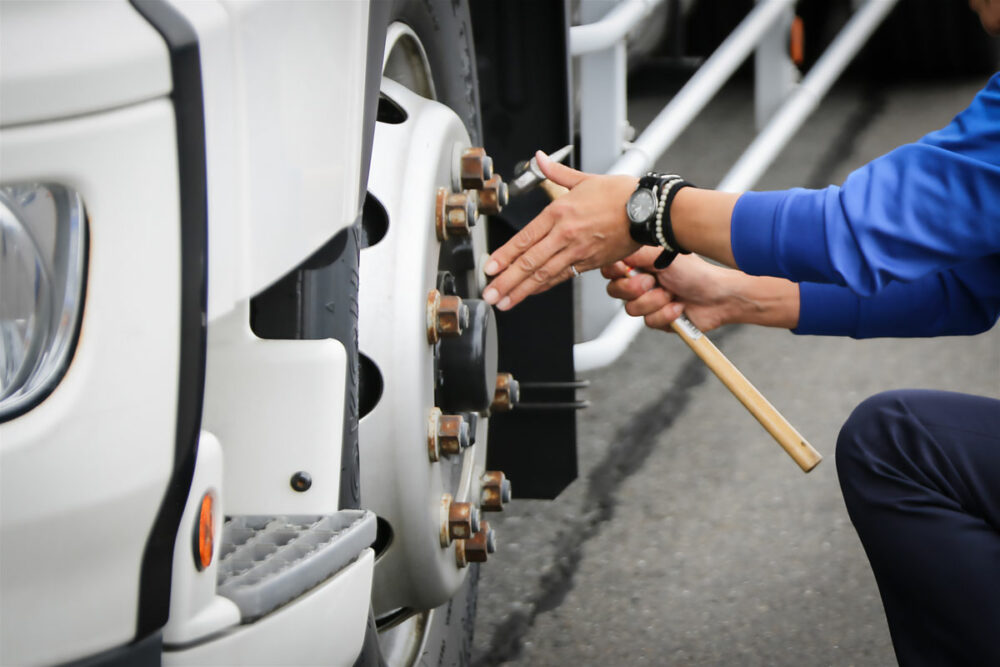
(246, 380)
(187, 363)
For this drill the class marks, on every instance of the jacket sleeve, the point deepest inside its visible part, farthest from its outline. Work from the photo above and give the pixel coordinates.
(922, 209)
(963, 300)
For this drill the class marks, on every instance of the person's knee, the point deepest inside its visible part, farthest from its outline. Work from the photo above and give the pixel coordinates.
(866, 427)
(868, 436)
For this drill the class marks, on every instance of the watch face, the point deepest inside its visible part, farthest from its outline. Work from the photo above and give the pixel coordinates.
(641, 205)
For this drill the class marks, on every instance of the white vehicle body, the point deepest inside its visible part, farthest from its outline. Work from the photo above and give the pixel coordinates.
(85, 91)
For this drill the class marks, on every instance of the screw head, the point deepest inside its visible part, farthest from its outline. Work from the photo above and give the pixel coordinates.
(301, 481)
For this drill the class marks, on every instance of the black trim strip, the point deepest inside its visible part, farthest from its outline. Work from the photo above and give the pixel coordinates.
(185, 67)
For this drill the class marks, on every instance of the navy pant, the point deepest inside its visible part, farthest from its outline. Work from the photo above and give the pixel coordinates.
(920, 473)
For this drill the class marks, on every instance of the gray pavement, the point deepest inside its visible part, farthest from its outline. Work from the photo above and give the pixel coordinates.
(690, 537)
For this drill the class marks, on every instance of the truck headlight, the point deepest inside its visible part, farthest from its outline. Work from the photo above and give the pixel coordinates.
(42, 257)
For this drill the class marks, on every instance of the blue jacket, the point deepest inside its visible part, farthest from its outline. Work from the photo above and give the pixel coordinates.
(909, 245)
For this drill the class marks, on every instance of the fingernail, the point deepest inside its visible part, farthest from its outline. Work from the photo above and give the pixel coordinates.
(647, 282)
(490, 295)
(504, 303)
(541, 156)
(492, 267)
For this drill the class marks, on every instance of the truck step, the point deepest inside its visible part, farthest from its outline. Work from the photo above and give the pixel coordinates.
(268, 561)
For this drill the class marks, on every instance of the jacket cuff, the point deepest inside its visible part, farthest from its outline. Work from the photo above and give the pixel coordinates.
(828, 310)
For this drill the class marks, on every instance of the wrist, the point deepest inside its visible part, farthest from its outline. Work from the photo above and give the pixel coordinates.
(760, 300)
(701, 221)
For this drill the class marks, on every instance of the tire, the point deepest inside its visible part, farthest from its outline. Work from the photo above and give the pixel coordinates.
(445, 32)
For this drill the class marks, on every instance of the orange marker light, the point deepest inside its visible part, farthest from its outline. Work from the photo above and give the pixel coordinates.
(204, 534)
(797, 41)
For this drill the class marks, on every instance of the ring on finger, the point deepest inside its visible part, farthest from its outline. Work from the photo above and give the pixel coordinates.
(576, 274)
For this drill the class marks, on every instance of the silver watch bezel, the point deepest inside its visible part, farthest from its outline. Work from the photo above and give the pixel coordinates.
(644, 192)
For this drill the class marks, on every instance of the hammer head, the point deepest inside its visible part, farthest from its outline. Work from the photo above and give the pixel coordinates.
(527, 174)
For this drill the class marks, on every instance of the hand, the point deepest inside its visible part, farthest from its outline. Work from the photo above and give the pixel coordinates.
(710, 295)
(586, 229)
(690, 285)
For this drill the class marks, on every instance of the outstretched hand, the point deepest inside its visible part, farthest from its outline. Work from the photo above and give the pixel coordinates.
(585, 229)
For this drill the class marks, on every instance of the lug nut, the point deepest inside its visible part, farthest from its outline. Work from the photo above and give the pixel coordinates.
(463, 520)
(453, 434)
(495, 491)
(446, 316)
(477, 548)
(476, 168)
(493, 196)
(455, 214)
(507, 393)
(459, 521)
(446, 434)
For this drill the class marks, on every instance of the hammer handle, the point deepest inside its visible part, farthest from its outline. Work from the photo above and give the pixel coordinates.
(772, 420)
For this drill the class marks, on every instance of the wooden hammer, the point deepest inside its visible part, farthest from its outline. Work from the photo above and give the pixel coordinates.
(773, 421)
(762, 410)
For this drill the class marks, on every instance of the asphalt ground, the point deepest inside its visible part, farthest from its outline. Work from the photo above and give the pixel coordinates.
(690, 537)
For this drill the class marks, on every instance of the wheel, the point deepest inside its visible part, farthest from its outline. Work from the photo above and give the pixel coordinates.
(424, 595)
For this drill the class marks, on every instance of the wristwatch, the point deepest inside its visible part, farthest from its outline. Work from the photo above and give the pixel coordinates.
(642, 206)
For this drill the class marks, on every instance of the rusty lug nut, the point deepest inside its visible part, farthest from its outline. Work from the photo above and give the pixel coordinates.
(495, 491)
(460, 558)
(507, 393)
(476, 168)
(493, 196)
(479, 546)
(446, 316)
(463, 520)
(455, 214)
(452, 434)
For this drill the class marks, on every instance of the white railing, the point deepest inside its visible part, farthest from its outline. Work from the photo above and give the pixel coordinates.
(765, 29)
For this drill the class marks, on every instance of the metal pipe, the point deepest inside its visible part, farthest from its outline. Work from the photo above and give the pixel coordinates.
(697, 92)
(611, 344)
(611, 29)
(793, 113)
(623, 328)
